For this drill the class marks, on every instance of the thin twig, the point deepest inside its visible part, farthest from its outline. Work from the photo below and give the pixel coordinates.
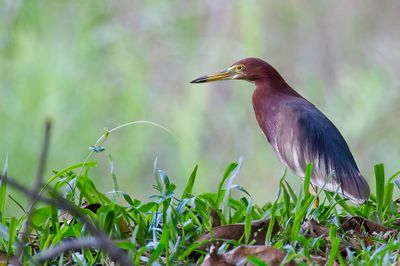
(35, 191)
(67, 245)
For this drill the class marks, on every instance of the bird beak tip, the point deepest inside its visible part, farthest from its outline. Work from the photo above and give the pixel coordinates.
(199, 80)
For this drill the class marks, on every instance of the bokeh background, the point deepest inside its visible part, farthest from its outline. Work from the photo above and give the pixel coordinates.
(90, 65)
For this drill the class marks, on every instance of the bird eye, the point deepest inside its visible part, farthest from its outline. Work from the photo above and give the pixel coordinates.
(239, 67)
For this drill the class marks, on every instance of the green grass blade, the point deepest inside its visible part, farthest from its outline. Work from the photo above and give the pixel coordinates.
(380, 186)
(389, 187)
(286, 201)
(388, 195)
(112, 172)
(189, 186)
(66, 170)
(248, 219)
(291, 192)
(229, 179)
(299, 217)
(3, 189)
(268, 236)
(335, 243)
(190, 249)
(393, 176)
(160, 248)
(17, 203)
(156, 176)
(303, 204)
(307, 178)
(274, 208)
(256, 261)
(220, 194)
(12, 230)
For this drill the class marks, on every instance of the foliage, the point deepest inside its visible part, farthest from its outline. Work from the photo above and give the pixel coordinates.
(164, 229)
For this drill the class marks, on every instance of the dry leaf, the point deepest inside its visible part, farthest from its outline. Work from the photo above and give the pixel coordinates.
(358, 223)
(65, 215)
(236, 231)
(239, 256)
(315, 229)
(215, 219)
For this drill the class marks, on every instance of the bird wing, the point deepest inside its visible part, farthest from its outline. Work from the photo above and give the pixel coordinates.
(305, 135)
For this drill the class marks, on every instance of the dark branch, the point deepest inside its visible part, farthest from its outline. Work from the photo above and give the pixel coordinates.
(67, 245)
(23, 236)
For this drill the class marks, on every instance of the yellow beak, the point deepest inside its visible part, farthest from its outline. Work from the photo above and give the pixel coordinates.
(228, 73)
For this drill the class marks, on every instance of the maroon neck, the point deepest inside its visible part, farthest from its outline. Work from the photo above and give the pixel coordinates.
(275, 85)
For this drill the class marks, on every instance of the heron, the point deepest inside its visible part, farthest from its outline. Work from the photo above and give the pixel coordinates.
(298, 132)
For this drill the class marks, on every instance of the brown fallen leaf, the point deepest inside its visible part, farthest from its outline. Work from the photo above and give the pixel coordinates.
(214, 259)
(65, 215)
(314, 229)
(360, 225)
(93, 207)
(235, 232)
(239, 256)
(215, 219)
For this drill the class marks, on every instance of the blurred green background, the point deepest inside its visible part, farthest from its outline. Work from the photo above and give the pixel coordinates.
(90, 65)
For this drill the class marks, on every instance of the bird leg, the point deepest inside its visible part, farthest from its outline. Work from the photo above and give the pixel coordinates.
(313, 191)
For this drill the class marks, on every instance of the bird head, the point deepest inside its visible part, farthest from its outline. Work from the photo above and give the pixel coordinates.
(250, 69)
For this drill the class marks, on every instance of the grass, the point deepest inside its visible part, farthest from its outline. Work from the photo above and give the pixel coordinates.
(164, 229)
(75, 223)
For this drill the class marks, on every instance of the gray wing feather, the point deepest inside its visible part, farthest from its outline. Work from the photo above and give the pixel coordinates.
(305, 135)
